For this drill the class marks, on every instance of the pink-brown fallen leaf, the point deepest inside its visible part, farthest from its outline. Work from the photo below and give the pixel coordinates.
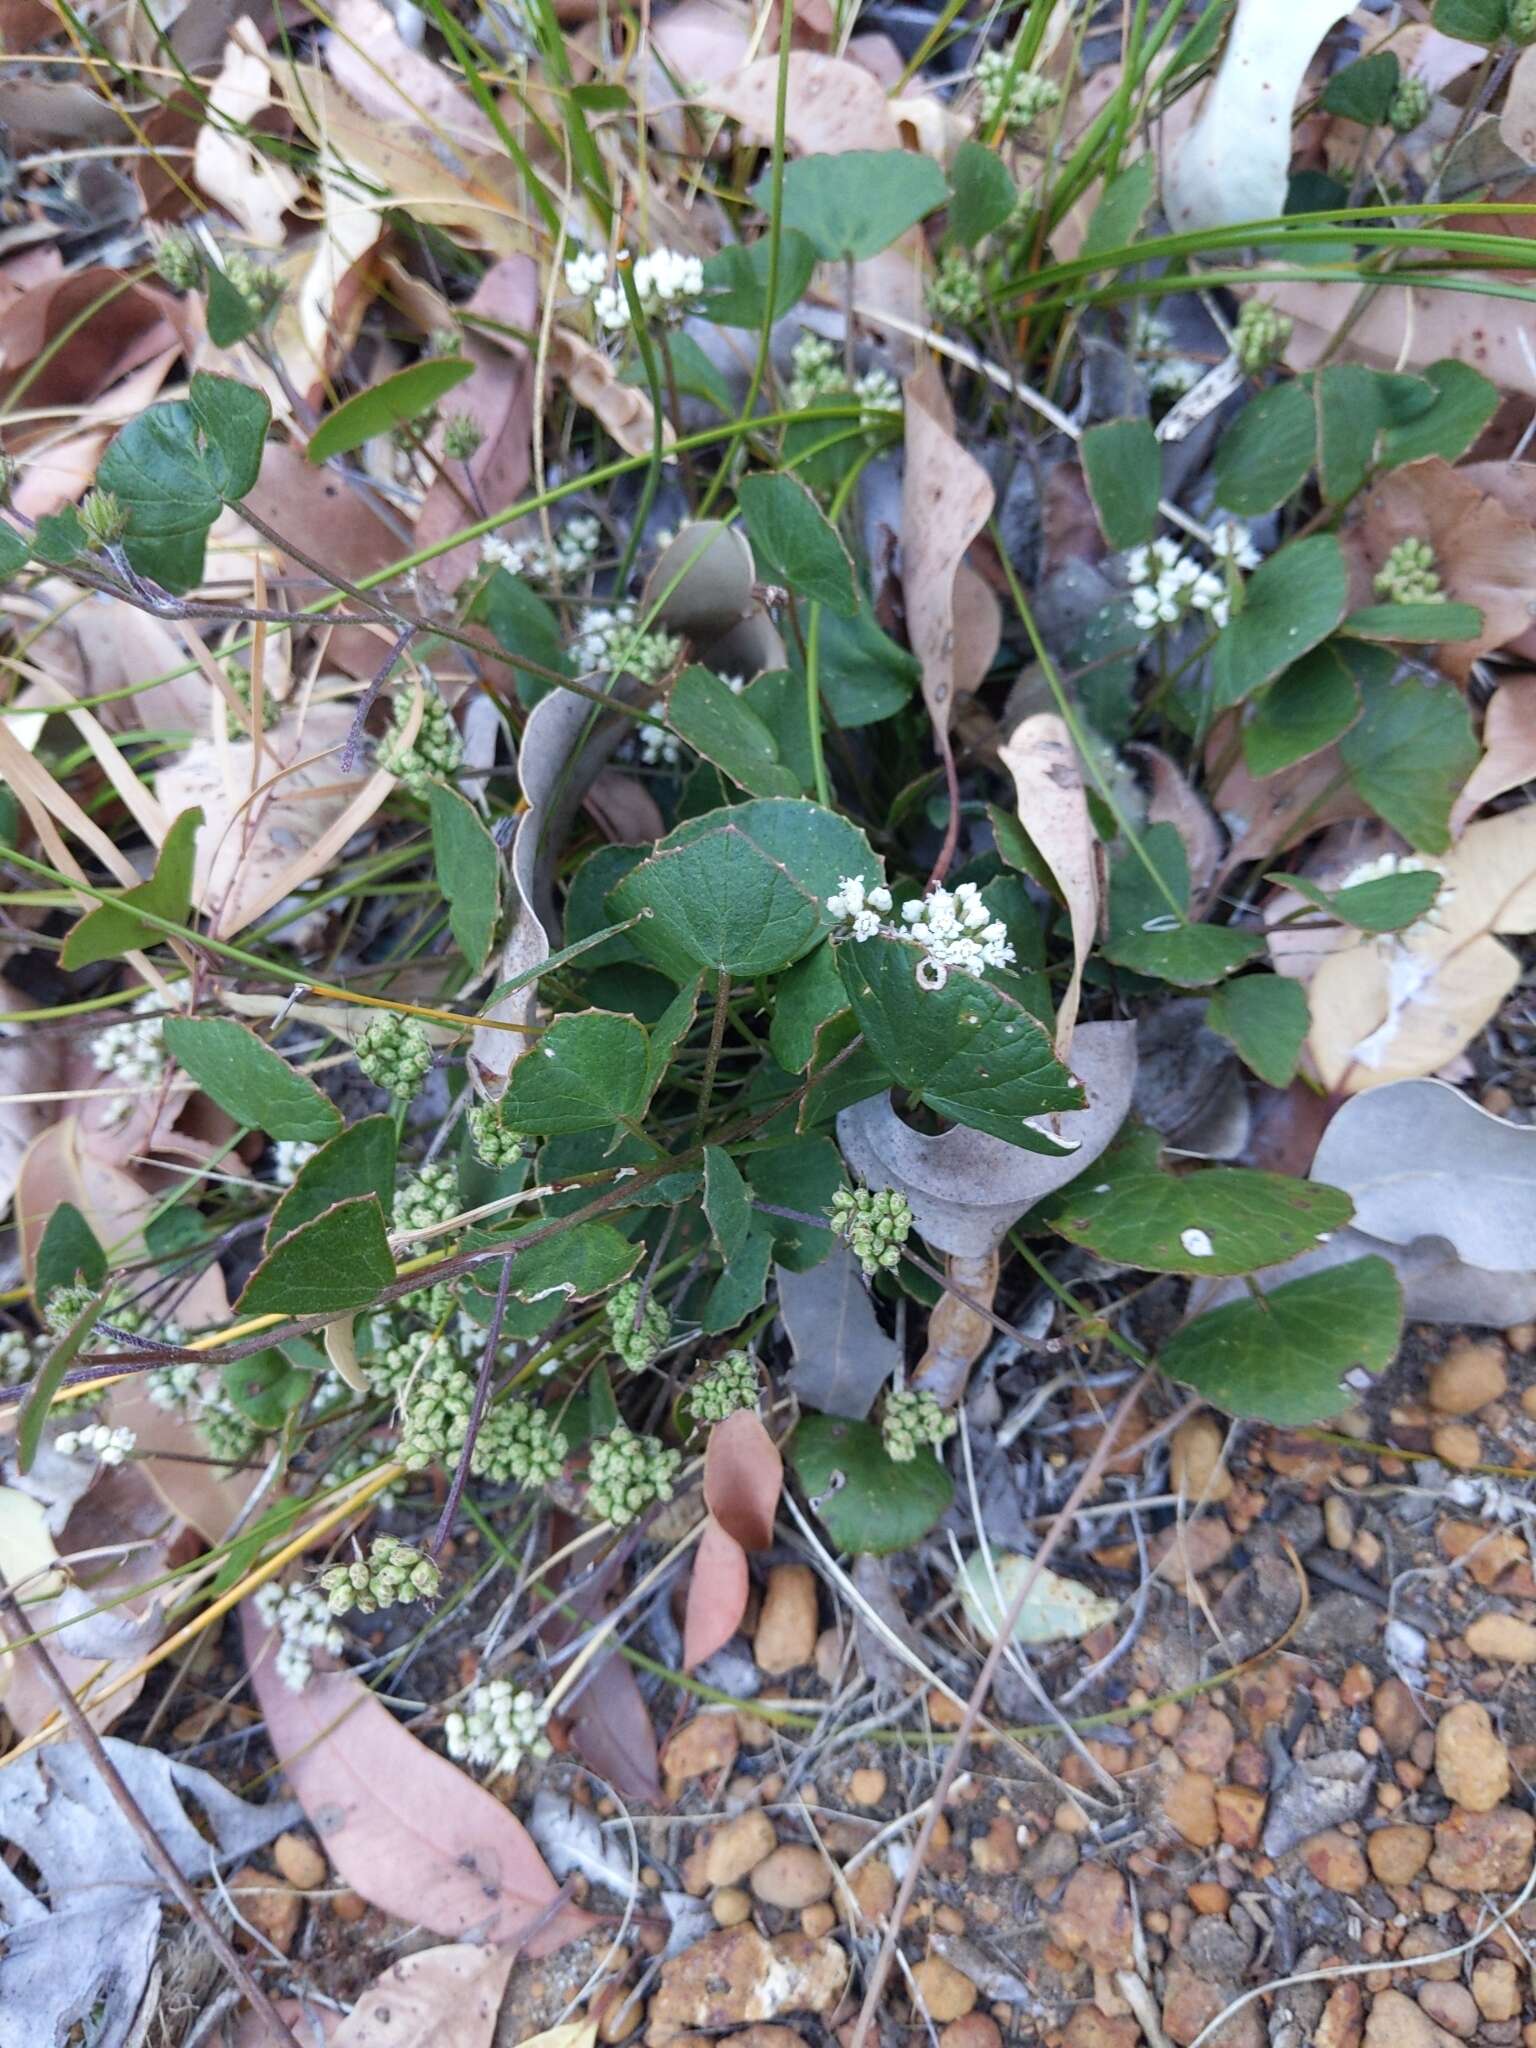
(609, 1728)
(1509, 750)
(1173, 802)
(406, 1829)
(1404, 327)
(312, 2026)
(295, 498)
(1263, 817)
(743, 1477)
(623, 409)
(1053, 809)
(121, 325)
(717, 1594)
(437, 1998)
(251, 185)
(1485, 555)
(401, 87)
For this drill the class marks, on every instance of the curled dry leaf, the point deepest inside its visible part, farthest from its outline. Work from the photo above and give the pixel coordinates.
(624, 410)
(1394, 1010)
(406, 1829)
(1233, 163)
(253, 187)
(842, 1355)
(1264, 816)
(437, 1998)
(293, 496)
(1053, 809)
(1509, 749)
(959, 1330)
(1485, 555)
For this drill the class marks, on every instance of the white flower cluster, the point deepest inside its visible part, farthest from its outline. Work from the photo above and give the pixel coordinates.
(174, 1386)
(818, 374)
(132, 1051)
(573, 553)
(288, 1155)
(667, 283)
(19, 1353)
(1167, 583)
(107, 1446)
(610, 640)
(1168, 373)
(303, 1619)
(953, 927)
(499, 1728)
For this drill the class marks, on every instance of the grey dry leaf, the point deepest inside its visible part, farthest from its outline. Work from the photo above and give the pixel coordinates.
(437, 1998)
(571, 1839)
(842, 1356)
(1053, 809)
(1509, 749)
(967, 1188)
(79, 1951)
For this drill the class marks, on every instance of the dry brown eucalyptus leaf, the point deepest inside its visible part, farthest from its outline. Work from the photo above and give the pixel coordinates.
(1509, 749)
(252, 186)
(436, 1998)
(624, 410)
(400, 87)
(1053, 809)
(1172, 801)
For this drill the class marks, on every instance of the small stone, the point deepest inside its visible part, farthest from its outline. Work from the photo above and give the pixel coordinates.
(731, 1851)
(1395, 1716)
(1457, 1444)
(731, 1906)
(1090, 2028)
(348, 1907)
(787, 1626)
(794, 1876)
(1488, 1552)
(300, 1862)
(873, 1886)
(704, 1744)
(976, 2030)
(734, 1976)
(1399, 1853)
(1094, 1917)
(268, 1904)
(1451, 2006)
(1205, 1740)
(1189, 1807)
(1396, 2022)
(946, 1993)
(866, 1788)
(1496, 1988)
(1335, 1860)
(1483, 1852)
(1502, 1637)
(818, 1919)
(1183, 1553)
(1195, 1466)
(996, 1853)
(617, 2011)
(1240, 1815)
(1343, 2017)
(1191, 2002)
(1338, 1522)
(1470, 1375)
(1470, 1760)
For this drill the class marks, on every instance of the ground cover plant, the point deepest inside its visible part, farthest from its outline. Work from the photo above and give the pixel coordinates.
(765, 825)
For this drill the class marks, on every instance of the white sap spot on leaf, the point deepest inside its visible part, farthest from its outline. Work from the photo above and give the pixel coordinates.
(1196, 1243)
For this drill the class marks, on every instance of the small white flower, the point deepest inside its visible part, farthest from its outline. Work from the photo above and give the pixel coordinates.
(866, 924)
(1231, 542)
(585, 272)
(107, 1446)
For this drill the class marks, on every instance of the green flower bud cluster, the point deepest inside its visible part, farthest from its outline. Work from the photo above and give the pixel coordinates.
(392, 1575)
(957, 293)
(65, 1306)
(648, 657)
(817, 373)
(463, 437)
(395, 1053)
(637, 1347)
(433, 1304)
(271, 712)
(179, 262)
(103, 518)
(518, 1441)
(874, 1223)
(496, 1145)
(356, 1464)
(1408, 575)
(729, 1385)
(1260, 336)
(627, 1472)
(230, 1436)
(174, 1386)
(1016, 101)
(912, 1420)
(436, 1417)
(391, 1369)
(1408, 105)
(433, 755)
(431, 1197)
(499, 1727)
(1521, 21)
(260, 288)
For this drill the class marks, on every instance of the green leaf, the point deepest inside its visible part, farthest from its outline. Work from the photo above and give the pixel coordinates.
(1417, 623)
(866, 1502)
(1126, 200)
(14, 552)
(333, 1265)
(265, 1388)
(112, 929)
(1146, 935)
(387, 405)
(778, 698)
(970, 1049)
(50, 1376)
(1267, 452)
(807, 997)
(69, 1251)
(691, 370)
(575, 1265)
(1123, 463)
(1363, 91)
(794, 542)
(1291, 603)
(1301, 712)
(1389, 904)
(231, 315)
(1282, 1357)
(983, 194)
(1350, 418)
(1465, 402)
(175, 467)
(864, 675)
(1222, 1219)
(586, 911)
(718, 725)
(523, 624)
(59, 537)
(586, 1072)
(1265, 1018)
(816, 846)
(358, 1161)
(742, 1286)
(468, 871)
(719, 901)
(736, 280)
(726, 1201)
(668, 1033)
(803, 1175)
(248, 1080)
(1473, 21)
(855, 204)
(1410, 754)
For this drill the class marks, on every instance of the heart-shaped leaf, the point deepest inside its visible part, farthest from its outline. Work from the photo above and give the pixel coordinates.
(174, 468)
(796, 544)
(853, 205)
(719, 901)
(248, 1080)
(1290, 604)
(1265, 1017)
(338, 1262)
(586, 1072)
(866, 1501)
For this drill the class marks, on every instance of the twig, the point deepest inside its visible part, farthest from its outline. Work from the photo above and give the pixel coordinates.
(138, 1820)
(370, 695)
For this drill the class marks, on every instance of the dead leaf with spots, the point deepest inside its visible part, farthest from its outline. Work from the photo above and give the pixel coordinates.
(946, 501)
(1406, 328)
(624, 410)
(1053, 809)
(1397, 1009)
(253, 186)
(437, 1998)
(1509, 749)
(1265, 815)
(1485, 555)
